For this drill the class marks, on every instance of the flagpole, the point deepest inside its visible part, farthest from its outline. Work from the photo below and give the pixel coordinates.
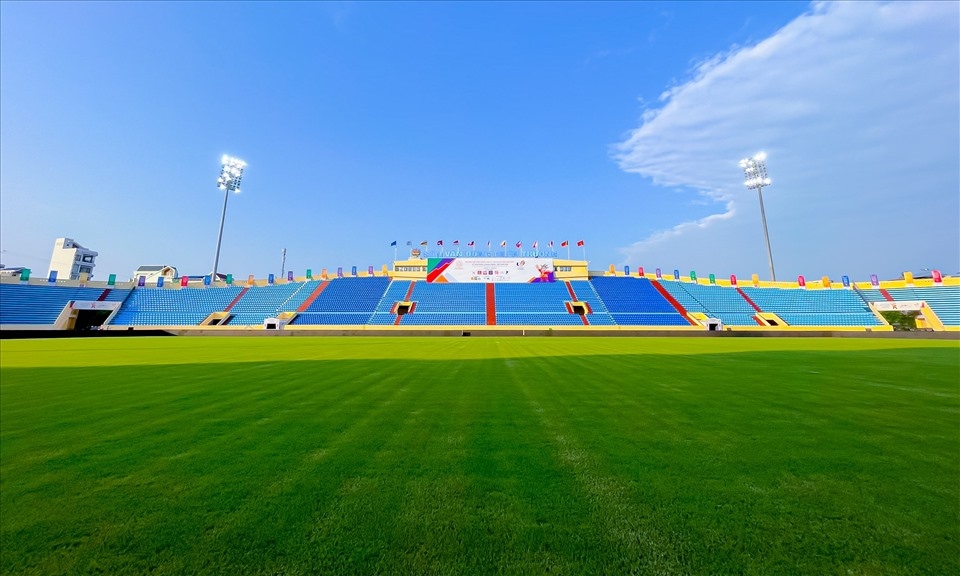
(568, 250)
(584, 252)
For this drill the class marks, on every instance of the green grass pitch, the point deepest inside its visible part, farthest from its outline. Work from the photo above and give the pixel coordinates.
(479, 456)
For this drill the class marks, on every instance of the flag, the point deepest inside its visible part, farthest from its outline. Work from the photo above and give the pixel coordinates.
(394, 243)
(579, 242)
(470, 243)
(519, 244)
(409, 243)
(564, 244)
(439, 242)
(424, 243)
(550, 244)
(503, 244)
(488, 243)
(456, 242)
(534, 244)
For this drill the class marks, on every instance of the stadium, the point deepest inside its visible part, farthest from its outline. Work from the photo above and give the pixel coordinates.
(381, 404)
(403, 451)
(514, 293)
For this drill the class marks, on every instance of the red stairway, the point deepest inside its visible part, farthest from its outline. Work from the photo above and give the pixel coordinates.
(491, 305)
(673, 301)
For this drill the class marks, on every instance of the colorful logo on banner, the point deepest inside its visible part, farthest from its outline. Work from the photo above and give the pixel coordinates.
(159, 281)
(183, 281)
(206, 280)
(290, 276)
(659, 274)
(370, 270)
(339, 271)
(676, 274)
(52, 277)
(640, 271)
(713, 278)
(693, 275)
(229, 279)
(353, 271)
(874, 281)
(626, 270)
(802, 281)
(309, 274)
(846, 281)
(112, 280)
(250, 280)
(937, 277)
(270, 279)
(141, 281)
(733, 279)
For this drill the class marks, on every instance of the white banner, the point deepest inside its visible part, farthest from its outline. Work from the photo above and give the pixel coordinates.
(490, 270)
(91, 305)
(901, 306)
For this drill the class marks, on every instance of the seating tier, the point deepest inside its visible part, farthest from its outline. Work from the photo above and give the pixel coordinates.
(348, 301)
(173, 306)
(262, 302)
(715, 301)
(40, 305)
(799, 307)
(636, 302)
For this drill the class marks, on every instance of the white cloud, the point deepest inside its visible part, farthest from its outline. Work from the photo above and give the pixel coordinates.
(858, 107)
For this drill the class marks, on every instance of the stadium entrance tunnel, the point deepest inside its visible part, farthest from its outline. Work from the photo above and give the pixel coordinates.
(578, 307)
(85, 315)
(90, 319)
(217, 318)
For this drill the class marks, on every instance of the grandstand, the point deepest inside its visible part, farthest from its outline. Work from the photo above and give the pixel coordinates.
(416, 298)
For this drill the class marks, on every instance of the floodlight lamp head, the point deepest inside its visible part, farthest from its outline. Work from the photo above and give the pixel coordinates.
(232, 162)
(755, 171)
(231, 173)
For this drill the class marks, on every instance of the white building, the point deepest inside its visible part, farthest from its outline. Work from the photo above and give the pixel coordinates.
(151, 272)
(71, 259)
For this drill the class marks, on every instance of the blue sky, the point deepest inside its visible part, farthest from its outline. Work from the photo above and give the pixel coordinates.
(362, 123)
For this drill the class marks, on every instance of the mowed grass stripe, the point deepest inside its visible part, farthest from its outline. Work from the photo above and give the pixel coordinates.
(329, 451)
(491, 501)
(223, 460)
(636, 546)
(753, 462)
(163, 351)
(824, 441)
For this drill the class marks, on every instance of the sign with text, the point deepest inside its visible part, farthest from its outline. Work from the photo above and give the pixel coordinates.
(903, 306)
(490, 270)
(91, 305)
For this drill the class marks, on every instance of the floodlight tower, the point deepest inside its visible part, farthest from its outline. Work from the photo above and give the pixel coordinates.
(755, 177)
(231, 172)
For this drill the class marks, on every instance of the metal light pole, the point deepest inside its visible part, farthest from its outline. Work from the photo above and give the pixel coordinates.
(755, 176)
(229, 181)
